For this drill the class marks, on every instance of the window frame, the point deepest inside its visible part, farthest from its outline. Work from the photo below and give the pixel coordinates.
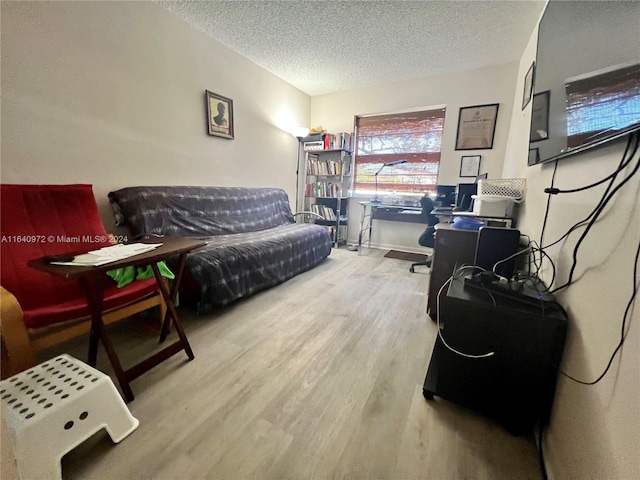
(399, 179)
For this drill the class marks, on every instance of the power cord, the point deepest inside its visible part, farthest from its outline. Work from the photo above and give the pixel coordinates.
(504, 279)
(623, 164)
(554, 191)
(592, 222)
(543, 467)
(449, 280)
(622, 330)
(546, 212)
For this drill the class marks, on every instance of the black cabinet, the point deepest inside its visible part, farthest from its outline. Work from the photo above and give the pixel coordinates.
(515, 386)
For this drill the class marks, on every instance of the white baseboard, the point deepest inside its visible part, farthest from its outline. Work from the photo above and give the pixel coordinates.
(402, 248)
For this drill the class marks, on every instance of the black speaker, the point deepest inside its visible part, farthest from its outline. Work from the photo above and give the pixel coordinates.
(494, 245)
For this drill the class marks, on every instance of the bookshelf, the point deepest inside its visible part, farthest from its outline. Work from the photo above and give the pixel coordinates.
(328, 168)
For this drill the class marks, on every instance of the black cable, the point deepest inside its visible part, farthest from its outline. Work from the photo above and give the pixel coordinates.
(546, 213)
(553, 267)
(623, 164)
(534, 259)
(592, 222)
(543, 468)
(536, 248)
(555, 191)
(623, 327)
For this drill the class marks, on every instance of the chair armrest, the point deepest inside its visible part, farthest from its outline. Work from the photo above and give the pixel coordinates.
(15, 336)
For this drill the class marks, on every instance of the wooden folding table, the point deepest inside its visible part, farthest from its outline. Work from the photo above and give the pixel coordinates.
(92, 280)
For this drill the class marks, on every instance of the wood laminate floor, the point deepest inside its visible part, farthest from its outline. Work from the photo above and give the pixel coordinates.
(320, 377)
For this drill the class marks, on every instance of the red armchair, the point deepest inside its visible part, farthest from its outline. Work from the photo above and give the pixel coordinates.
(39, 310)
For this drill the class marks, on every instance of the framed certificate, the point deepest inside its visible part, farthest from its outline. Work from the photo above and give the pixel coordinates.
(476, 127)
(470, 166)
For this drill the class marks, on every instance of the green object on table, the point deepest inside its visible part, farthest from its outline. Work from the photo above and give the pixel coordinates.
(124, 276)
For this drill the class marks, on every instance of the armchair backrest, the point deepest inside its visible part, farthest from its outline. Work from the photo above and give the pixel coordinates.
(39, 220)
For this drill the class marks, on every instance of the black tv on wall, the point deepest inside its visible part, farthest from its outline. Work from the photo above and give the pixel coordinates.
(586, 88)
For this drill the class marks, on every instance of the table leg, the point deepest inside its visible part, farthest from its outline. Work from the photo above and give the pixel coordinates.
(370, 228)
(172, 313)
(94, 291)
(362, 228)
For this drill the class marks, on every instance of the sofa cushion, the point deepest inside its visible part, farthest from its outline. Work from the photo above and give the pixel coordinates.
(191, 211)
(230, 267)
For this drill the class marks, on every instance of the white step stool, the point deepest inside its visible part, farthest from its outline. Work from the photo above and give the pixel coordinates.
(51, 408)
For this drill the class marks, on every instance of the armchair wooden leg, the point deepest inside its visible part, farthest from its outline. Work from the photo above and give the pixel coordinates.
(15, 336)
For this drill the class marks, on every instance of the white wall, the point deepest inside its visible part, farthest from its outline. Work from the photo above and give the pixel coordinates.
(112, 94)
(335, 112)
(594, 430)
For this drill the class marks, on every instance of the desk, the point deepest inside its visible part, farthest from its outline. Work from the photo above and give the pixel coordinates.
(490, 221)
(371, 209)
(92, 281)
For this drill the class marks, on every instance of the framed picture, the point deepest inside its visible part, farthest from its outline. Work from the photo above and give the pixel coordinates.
(528, 85)
(470, 166)
(534, 156)
(540, 117)
(219, 115)
(476, 127)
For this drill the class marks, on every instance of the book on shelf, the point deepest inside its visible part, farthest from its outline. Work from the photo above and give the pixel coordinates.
(342, 232)
(337, 141)
(328, 213)
(316, 166)
(324, 211)
(322, 189)
(328, 141)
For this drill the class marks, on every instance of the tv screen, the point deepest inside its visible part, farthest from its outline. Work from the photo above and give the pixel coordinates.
(586, 88)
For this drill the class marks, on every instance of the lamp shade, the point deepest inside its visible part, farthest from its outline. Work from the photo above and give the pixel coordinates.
(300, 132)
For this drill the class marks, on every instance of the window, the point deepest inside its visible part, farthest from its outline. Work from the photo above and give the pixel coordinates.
(415, 137)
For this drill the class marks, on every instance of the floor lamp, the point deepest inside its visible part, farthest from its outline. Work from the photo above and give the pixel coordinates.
(377, 199)
(299, 133)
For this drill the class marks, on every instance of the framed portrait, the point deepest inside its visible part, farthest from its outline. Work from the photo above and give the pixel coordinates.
(540, 117)
(470, 166)
(219, 115)
(476, 127)
(528, 85)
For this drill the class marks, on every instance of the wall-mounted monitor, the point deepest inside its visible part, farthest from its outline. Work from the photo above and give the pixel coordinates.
(587, 77)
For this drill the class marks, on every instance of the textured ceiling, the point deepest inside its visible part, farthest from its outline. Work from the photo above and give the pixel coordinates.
(327, 46)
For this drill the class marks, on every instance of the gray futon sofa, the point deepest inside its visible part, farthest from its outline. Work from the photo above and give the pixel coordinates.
(252, 239)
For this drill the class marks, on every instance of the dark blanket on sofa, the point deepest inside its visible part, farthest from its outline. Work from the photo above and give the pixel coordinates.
(252, 240)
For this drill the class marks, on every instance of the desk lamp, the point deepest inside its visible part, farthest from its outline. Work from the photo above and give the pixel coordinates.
(377, 199)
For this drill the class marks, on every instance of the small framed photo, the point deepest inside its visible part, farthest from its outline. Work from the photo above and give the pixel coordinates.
(476, 127)
(219, 115)
(528, 85)
(470, 166)
(540, 117)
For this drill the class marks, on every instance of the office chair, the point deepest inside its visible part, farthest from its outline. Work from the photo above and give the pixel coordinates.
(426, 239)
